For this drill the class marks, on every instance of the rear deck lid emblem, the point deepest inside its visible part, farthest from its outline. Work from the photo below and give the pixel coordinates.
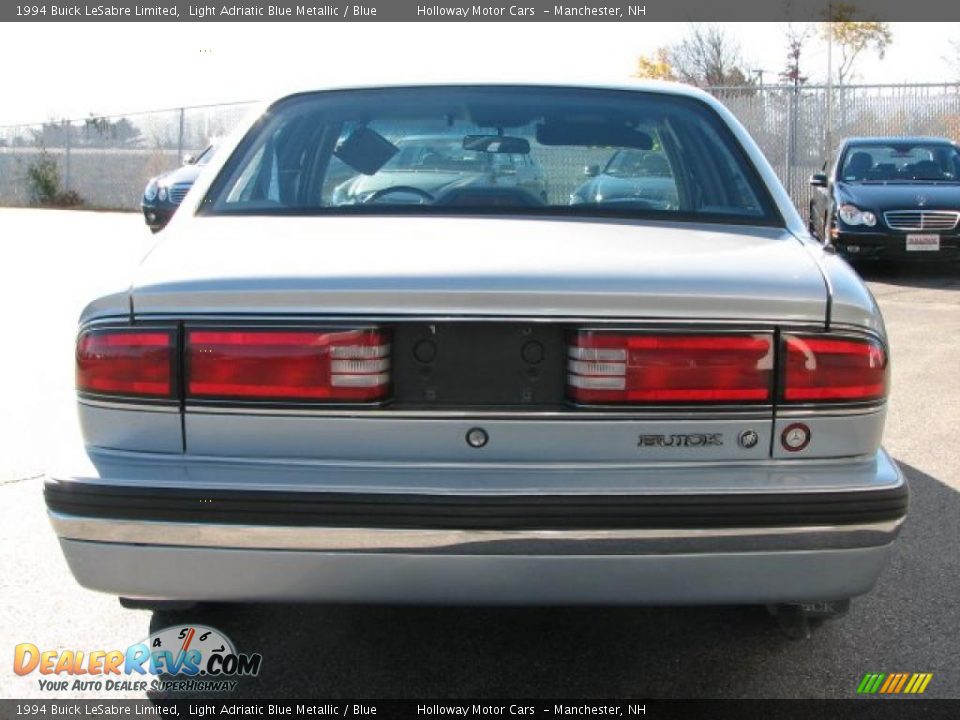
(748, 439)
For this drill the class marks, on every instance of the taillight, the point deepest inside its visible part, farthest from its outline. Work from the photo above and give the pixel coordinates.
(617, 367)
(825, 369)
(126, 362)
(288, 365)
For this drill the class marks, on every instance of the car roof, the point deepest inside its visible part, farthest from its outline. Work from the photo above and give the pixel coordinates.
(663, 87)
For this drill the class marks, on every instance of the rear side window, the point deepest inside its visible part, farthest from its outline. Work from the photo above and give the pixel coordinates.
(553, 151)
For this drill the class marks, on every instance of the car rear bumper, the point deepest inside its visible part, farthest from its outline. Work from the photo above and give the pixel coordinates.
(221, 574)
(780, 543)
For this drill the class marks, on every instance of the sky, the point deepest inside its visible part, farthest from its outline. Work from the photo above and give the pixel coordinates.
(72, 70)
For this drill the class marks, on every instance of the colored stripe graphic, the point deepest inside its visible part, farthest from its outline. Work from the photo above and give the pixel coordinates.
(899, 687)
(891, 683)
(918, 683)
(894, 683)
(870, 683)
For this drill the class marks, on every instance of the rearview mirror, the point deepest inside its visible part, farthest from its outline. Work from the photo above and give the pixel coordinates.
(503, 144)
(591, 170)
(190, 159)
(818, 180)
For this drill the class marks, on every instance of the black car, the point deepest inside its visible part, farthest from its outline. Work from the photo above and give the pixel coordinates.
(638, 178)
(165, 192)
(890, 198)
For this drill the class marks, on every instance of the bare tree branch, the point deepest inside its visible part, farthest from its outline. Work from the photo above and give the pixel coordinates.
(708, 57)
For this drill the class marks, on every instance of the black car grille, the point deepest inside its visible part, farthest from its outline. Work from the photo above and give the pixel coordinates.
(179, 192)
(921, 219)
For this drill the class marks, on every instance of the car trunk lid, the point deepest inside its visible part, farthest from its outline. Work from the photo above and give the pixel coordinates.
(480, 267)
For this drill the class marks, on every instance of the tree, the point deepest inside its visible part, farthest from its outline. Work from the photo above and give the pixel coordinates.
(656, 66)
(797, 38)
(101, 131)
(852, 38)
(707, 57)
(52, 133)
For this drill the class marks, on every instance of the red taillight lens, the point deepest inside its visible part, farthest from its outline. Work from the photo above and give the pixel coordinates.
(820, 369)
(304, 365)
(136, 363)
(611, 367)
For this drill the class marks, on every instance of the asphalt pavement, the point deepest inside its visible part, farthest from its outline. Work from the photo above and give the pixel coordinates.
(53, 261)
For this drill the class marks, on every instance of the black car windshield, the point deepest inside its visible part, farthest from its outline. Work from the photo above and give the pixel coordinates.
(900, 162)
(491, 149)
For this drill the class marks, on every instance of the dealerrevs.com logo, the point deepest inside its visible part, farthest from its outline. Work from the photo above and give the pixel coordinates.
(194, 658)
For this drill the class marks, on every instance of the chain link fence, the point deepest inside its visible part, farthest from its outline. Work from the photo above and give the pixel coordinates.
(791, 124)
(108, 160)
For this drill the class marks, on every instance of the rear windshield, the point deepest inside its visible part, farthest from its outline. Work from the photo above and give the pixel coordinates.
(504, 150)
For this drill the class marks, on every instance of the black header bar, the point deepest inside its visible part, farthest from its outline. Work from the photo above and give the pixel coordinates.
(223, 705)
(466, 11)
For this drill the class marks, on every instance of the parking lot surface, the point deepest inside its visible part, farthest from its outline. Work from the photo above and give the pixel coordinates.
(52, 262)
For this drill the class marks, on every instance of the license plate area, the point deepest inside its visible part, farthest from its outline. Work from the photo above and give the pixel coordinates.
(923, 243)
(456, 365)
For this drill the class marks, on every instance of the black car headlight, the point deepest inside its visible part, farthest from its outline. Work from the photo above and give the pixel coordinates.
(150, 194)
(852, 215)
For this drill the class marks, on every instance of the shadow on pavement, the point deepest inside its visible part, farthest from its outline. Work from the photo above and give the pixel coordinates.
(932, 275)
(909, 623)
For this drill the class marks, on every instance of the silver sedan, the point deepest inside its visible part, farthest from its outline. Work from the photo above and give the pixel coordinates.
(471, 393)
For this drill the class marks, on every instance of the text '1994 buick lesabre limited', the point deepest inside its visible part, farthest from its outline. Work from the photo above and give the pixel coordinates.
(486, 389)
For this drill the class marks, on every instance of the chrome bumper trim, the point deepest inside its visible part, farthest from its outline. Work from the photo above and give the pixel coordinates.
(177, 462)
(473, 542)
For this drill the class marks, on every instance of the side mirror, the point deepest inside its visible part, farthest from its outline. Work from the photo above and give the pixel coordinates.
(591, 170)
(190, 160)
(818, 180)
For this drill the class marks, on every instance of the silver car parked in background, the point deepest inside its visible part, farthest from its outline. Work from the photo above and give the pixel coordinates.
(471, 393)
